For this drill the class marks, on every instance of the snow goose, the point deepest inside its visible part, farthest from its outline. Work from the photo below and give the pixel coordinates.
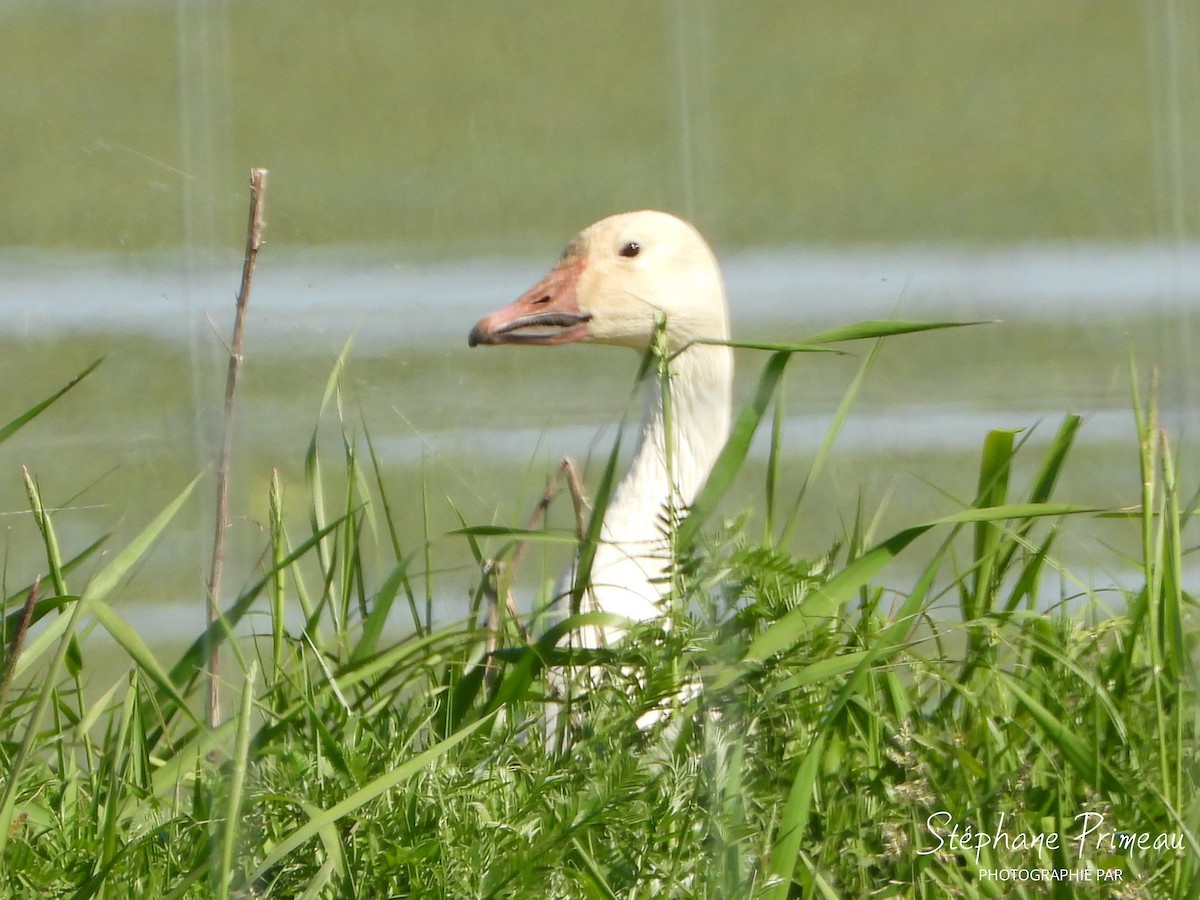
(619, 282)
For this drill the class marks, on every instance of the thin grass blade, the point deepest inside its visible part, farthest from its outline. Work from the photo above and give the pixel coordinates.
(994, 467)
(733, 454)
(11, 428)
(839, 419)
(233, 806)
(860, 331)
(131, 642)
(108, 577)
(794, 822)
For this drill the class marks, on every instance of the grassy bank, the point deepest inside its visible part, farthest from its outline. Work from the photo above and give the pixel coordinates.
(841, 734)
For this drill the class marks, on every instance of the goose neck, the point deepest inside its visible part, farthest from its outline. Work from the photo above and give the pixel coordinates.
(685, 424)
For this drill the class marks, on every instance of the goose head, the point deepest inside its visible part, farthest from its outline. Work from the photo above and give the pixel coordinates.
(616, 283)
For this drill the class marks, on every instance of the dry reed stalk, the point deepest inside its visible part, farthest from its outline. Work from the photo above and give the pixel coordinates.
(254, 229)
(18, 638)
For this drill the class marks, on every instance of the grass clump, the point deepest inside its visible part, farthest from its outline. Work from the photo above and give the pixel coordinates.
(851, 737)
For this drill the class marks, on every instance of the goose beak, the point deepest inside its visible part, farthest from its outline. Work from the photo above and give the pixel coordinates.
(548, 313)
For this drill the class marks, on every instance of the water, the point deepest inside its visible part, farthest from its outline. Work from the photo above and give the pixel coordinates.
(326, 291)
(482, 427)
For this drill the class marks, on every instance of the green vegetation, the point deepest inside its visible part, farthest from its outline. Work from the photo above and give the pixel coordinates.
(839, 711)
(944, 660)
(117, 450)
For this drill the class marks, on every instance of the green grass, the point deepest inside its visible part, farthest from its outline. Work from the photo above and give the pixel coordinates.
(841, 707)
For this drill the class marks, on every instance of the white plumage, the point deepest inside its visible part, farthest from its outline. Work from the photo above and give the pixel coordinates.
(618, 282)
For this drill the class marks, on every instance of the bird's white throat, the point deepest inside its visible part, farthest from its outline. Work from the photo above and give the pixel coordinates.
(680, 440)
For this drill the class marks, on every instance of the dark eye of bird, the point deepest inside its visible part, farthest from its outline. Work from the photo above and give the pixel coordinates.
(632, 249)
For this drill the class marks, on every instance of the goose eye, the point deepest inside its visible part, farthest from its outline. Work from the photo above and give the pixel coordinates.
(632, 249)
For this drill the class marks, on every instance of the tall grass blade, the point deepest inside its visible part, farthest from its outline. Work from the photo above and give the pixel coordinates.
(239, 765)
(312, 465)
(860, 331)
(107, 578)
(335, 859)
(592, 537)
(793, 822)
(48, 604)
(1056, 457)
(131, 642)
(376, 619)
(994, 468)
(9, 429)
(74, 660)
(839, 419)
(377, 471)
(524, 535)
(278, 573)
(733, 454)
(1041, 491)
(1174, 611)
(596, 880)
(773, 463)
